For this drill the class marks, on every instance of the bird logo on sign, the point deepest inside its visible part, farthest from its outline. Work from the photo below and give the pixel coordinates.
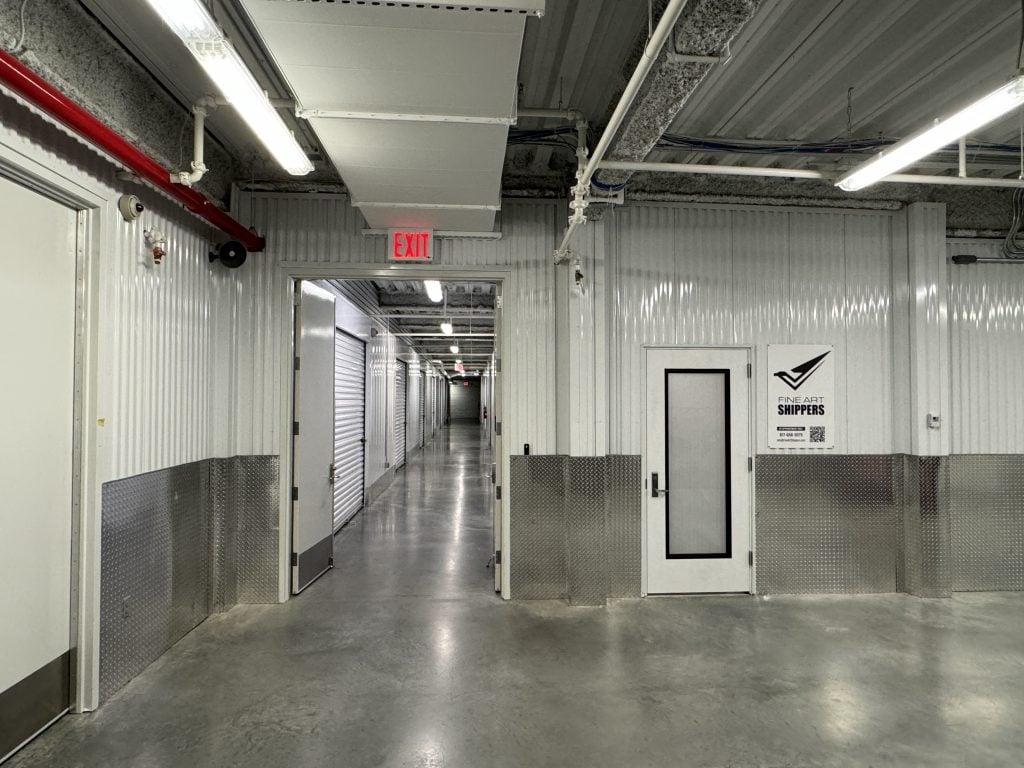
(796, 376)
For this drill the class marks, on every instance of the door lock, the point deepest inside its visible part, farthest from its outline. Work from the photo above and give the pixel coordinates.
(655, 491)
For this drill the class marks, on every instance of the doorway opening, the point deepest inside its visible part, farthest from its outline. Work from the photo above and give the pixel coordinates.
(407, 420)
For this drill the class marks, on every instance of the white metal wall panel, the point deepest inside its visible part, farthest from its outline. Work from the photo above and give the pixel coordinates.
(703, 275)
(986, 325)
(325, 229)
(349, 423)
(400, 412)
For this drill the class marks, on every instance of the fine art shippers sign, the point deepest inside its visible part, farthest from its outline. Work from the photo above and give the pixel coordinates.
(801, 396)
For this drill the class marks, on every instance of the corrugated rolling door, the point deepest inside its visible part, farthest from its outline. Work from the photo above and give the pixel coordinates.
(401, 387)
(423, 409)
(349, 421)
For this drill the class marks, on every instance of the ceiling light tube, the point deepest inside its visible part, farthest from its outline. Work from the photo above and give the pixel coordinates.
(434, 291)
(941, 134)
(192, 23)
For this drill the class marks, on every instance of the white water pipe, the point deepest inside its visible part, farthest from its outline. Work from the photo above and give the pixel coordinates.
(643, 68)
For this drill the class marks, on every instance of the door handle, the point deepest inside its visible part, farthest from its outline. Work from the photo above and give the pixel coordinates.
(655, 491)
(330, 475)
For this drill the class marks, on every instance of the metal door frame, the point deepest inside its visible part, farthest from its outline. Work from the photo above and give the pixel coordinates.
(31, 166)
(289, 273)
(751, 431)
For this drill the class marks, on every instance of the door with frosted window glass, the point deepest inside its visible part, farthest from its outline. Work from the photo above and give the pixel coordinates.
(698, 478)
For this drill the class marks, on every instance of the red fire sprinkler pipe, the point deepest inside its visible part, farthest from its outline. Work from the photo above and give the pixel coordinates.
(42, 94)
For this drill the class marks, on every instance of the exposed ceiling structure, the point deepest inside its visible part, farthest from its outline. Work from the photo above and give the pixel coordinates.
(789, 84)
(416, 320)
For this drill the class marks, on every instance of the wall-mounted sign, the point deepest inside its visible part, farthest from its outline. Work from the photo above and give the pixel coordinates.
(801, 396)
(410, 245)
(460, 367)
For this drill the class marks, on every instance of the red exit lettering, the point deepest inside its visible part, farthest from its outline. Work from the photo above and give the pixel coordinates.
(411, 246)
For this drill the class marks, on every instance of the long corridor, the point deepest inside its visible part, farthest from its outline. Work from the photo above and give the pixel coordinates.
(404, 656)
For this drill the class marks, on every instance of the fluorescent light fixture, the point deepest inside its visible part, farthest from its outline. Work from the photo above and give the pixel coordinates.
(446, 328)
(457, 360)
(434, 291)
(937, 136)
(454, 348)
(191, 22)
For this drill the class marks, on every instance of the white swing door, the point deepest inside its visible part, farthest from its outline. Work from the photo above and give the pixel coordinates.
(697, 458)
(313, 441)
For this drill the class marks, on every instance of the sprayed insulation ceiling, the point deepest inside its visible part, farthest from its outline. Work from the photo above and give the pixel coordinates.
(412, 102)
(786, 78)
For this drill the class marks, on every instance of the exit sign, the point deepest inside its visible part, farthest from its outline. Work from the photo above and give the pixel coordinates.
(410, 245)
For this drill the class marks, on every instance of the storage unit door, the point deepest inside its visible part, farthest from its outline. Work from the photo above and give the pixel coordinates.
(423, 410)
(401, 387)
(349, 426)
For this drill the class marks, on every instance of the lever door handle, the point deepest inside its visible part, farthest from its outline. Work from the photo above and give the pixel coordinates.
(655, 491)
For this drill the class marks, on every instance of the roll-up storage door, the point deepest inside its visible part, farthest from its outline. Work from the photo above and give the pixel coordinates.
(349, 421)
(423, 409)
(401, 387)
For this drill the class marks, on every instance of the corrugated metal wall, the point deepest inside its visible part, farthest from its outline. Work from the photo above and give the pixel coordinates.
(986, 332)
(325, 229)
(714, 275)
(168, 332)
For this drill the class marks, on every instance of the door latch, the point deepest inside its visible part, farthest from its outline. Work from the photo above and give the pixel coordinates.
(655, 491)
(330, 475)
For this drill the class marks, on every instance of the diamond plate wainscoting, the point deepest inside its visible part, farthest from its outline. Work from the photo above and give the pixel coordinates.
(987, 522)
(575, 527)
(828, 524)
(177, 545)
(539, 567)
(925, 538)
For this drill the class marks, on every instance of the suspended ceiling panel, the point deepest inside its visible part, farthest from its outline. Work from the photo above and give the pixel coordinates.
(412, 102)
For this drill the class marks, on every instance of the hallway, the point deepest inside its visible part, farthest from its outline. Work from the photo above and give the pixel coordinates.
(404, 656)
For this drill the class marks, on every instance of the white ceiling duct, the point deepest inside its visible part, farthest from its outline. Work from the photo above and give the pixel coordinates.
(412, 101)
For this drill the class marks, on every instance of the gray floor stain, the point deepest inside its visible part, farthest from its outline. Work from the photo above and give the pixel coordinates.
(404, 656)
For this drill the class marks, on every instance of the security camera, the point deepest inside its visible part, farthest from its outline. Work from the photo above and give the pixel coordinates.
(130, 207)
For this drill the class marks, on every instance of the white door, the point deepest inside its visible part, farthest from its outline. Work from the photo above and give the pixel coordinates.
(313, 446)
(401, 386)
(698, 477)
(37, 360)
(497, 473)
(349, 425)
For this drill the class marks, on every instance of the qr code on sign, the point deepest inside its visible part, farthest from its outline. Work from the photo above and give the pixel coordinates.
(817, 434)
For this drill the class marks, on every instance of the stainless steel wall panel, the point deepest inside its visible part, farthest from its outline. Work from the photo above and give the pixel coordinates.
(155, 569)
(926, 570)
(987, 523)
(827, 524)
(178, 544)
(254, 498)
(585, 530)
(986, 326)
(537, 487)
(623, 501)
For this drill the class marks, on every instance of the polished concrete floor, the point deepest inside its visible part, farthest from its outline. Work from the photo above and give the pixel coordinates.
(403, 656)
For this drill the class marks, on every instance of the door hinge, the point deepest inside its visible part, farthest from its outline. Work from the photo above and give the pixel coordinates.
(497, 492)
(497, 557)
(295, 493)
(497, 428)
(497, 301)
(297, 296)
(296, 362)
(497, 364)
(749, 370)
(750, 557)
(750, 463)
(295, 559)
(295, 428)
(330, 562)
